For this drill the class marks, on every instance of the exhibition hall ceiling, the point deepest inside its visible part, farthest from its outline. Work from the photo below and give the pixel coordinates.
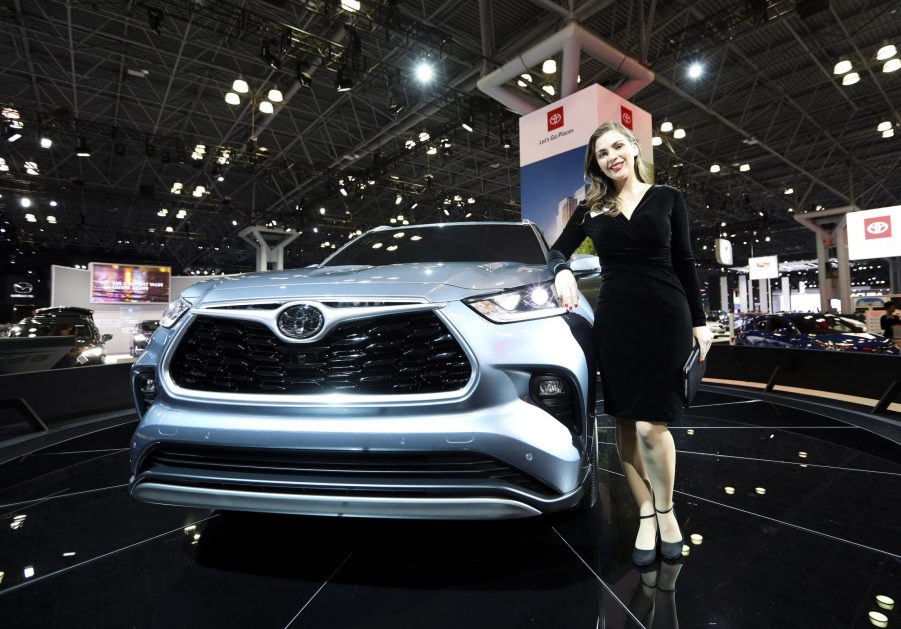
(175, 172)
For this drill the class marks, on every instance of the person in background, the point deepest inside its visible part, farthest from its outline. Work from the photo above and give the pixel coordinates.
(641, 233)
(888, 320)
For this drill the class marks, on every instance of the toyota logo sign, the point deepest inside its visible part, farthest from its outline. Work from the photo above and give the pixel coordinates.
(555, 119)
(300, 322)
(878, 227)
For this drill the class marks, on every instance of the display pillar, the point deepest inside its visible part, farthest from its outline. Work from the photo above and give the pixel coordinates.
(786, 304)
(763, 289)
(552, 143)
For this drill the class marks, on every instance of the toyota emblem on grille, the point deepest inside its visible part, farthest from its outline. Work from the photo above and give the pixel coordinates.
(300, 322)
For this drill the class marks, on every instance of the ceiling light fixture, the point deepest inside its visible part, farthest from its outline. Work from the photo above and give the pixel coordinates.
(842, 67)
(425, 72)
(666, 126)
(46, 141)
(679, 134)
(549, 66)
(714, 168)
(891, 65)
(886, 52)
(695, 70)
(851, 78)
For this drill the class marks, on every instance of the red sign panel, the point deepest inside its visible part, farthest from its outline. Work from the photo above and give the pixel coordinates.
(877, 227)
(625, 116)
(555, 119)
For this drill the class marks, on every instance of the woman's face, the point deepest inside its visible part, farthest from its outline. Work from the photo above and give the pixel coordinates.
(613, 151)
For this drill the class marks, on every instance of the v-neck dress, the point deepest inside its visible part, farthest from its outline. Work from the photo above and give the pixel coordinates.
(647, 266)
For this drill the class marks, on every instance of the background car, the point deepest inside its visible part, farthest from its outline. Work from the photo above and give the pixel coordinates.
(88, 339)
(419, 372)
(140, 336)
(812, 331)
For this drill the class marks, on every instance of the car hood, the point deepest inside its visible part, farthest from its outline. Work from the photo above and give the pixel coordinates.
(432, 281)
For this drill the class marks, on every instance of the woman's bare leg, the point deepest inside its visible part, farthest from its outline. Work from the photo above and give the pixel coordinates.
(658, 453)
(636, 477)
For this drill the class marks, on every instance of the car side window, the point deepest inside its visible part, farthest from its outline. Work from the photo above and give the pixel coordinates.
(761, 325)
(780, 323)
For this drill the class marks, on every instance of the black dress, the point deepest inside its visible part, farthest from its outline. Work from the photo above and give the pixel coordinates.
(646, 267)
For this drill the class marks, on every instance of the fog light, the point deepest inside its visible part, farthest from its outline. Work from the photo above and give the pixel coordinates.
(145, 390)
(551, 388)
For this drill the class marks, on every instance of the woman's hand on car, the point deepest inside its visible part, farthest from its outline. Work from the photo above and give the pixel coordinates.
(567, 289)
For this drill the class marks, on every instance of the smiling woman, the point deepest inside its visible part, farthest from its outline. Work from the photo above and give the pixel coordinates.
(641, 235)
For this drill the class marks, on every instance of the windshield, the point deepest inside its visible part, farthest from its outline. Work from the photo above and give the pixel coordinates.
(455, 242)
(826, 324)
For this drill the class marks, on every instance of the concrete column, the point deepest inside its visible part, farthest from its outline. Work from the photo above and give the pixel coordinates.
(844, 265)
(824, 281)
(269, 244)
(724, 293)
(786, 304)
(743, 293)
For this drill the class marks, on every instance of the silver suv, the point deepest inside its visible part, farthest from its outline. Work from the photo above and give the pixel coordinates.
(419, 372)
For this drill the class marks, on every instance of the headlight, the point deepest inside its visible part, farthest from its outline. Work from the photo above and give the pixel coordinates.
(140, 338)
(532, 302)
(94, 351)
(173, 312)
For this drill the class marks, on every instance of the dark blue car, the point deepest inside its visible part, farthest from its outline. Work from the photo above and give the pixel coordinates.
(813, 331)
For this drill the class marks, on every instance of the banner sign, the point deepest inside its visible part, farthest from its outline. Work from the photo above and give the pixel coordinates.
(763, 268)
(552, 143)
(874, 233)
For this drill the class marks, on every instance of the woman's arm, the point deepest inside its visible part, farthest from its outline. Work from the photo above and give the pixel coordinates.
(567, 242)
(684, 261)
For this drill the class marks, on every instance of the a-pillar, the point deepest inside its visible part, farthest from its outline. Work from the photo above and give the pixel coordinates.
(270, 245)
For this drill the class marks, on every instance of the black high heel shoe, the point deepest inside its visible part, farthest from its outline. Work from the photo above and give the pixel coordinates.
(671, 551)
(646, 557)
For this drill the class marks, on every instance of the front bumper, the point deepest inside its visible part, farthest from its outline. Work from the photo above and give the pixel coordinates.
(492, 417)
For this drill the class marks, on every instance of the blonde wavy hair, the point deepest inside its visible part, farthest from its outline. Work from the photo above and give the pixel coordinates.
(601, 196)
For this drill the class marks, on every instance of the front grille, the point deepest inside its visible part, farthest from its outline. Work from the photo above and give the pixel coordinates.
(295, 465)
(393, 354)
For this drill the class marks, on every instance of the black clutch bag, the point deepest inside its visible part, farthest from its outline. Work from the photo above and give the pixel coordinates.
(692, 373)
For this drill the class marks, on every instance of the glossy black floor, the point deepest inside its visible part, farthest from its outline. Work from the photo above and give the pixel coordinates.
(808, 537)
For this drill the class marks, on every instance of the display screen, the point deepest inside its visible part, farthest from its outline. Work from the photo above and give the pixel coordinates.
(129, 284)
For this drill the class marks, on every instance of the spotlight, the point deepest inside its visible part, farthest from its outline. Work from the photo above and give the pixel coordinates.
(842, 67)
(275, 95)
(425, 72)
(46, 142)
(343, 82)
(851, 78)
(268, 56)
(232, 98)
(240, 86)
(549, 66)
(695, 70)
(304, 78)
(666, 126)
(266, 107)
(154, 19)
(82, 150)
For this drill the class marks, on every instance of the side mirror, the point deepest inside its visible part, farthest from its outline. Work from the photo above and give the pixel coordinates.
(105, 338)
(584, 263)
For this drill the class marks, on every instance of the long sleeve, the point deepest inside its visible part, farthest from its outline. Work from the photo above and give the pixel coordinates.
(684, 261)
(567, 242)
